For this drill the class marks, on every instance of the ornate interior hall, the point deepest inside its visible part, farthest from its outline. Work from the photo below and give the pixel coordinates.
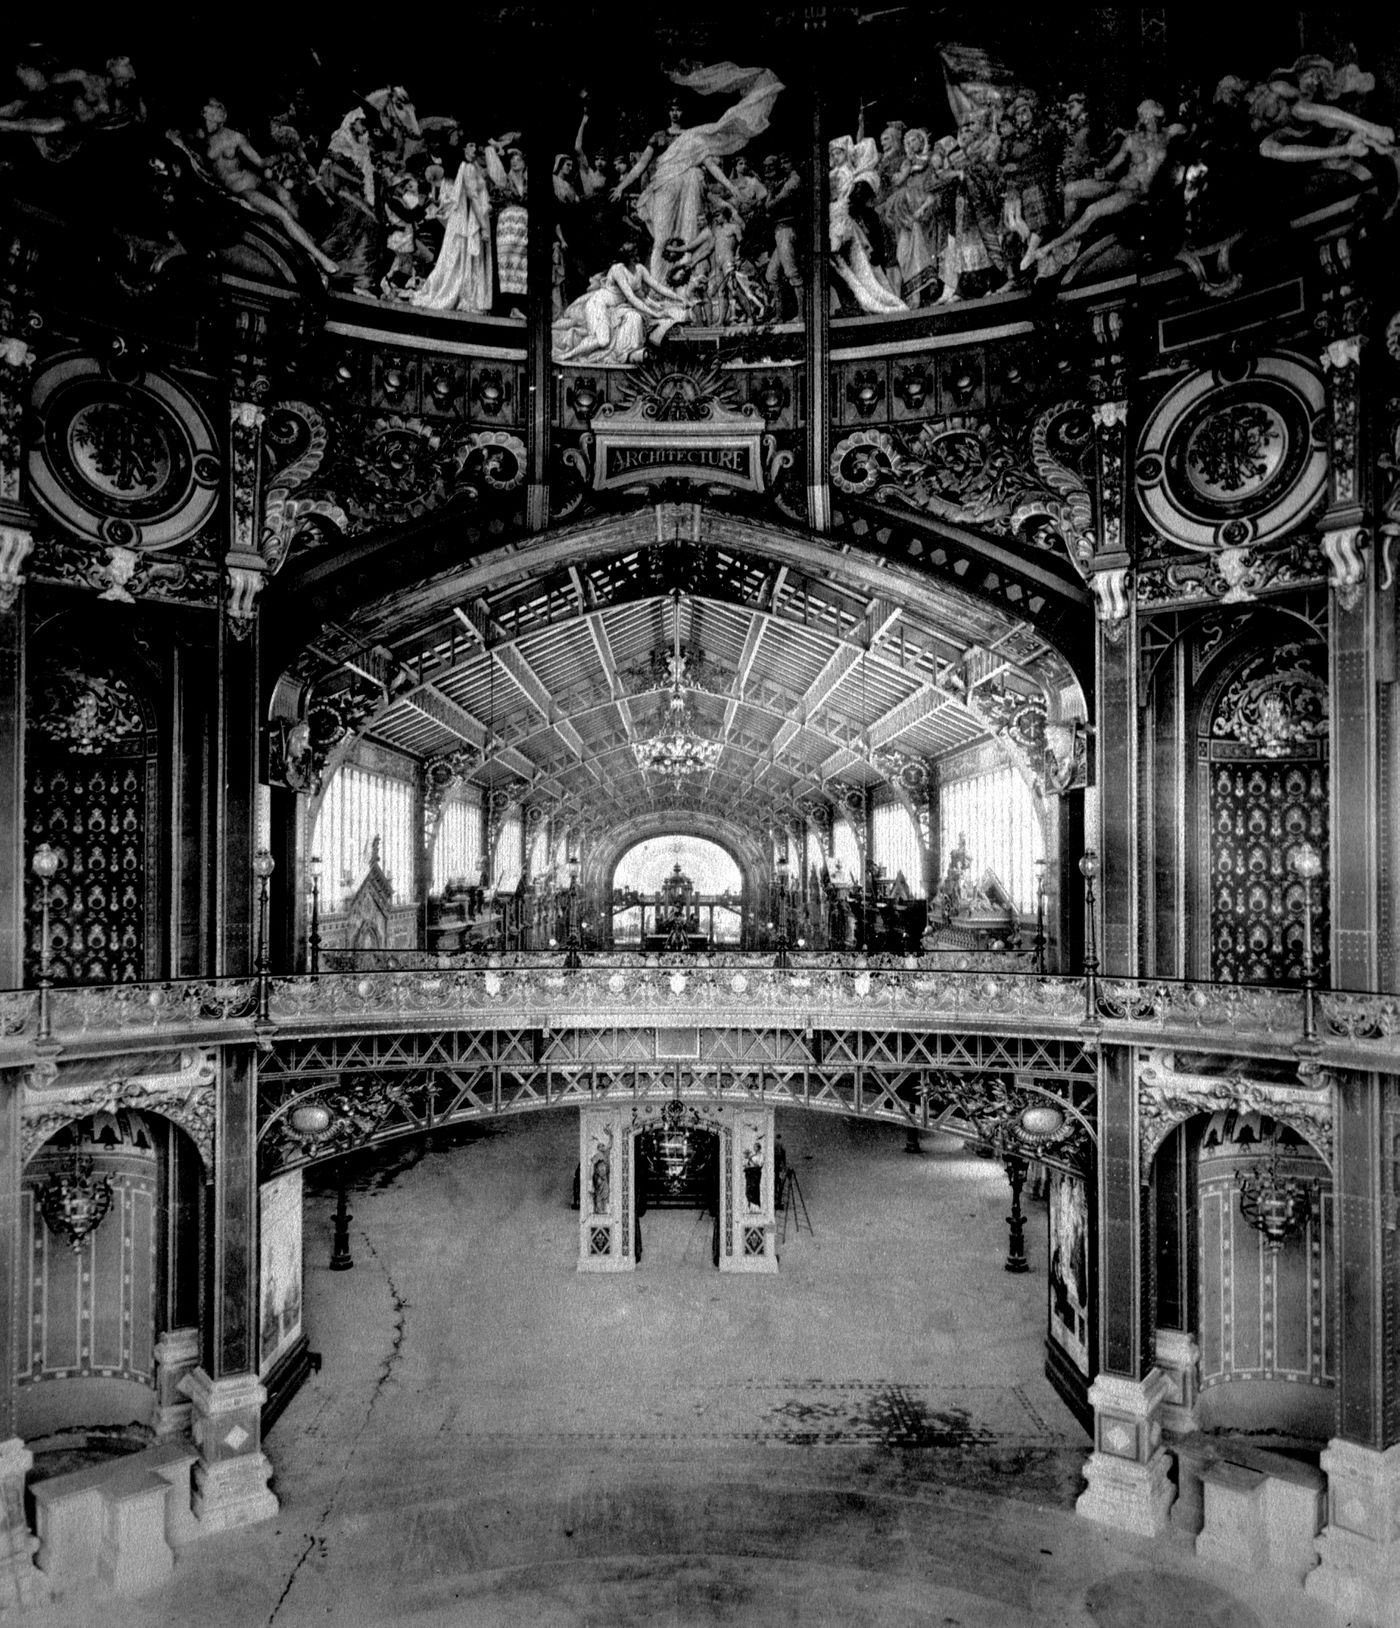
(698, 763)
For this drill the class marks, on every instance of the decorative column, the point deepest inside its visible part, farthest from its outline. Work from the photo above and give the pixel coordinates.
(1128, 1470)
(1352, 701)
(748, 1236)
(16, 544)
(1359, 1549)
(18, 1575)
(816, 304)
(232, 1473)
(1116, 780)
(607, 1202)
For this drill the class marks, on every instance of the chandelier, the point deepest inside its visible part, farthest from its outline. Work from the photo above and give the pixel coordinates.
(74, 1203)
(675, 750)
(1274, 1203)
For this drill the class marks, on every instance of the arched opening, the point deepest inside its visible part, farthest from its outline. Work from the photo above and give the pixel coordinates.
(678, 891)
(1245, 1265)
(112, 1212)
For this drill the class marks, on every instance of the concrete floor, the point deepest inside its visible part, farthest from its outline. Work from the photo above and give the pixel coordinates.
(865, 1438)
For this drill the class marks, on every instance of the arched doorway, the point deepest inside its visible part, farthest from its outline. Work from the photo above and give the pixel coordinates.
(677, 891)
(112, 1214)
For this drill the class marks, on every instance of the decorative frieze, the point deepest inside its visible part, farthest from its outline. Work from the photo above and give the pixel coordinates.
(1167, 1095)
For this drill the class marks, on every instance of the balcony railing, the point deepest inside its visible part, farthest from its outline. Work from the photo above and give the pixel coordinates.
(1354, 1030)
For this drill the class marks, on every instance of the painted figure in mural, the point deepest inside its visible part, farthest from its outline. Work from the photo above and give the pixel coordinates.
(1030, 208)
(1125, 180)
(783, 272)
(673, 202)
(623, 310)
(462, 278)
(244, 174)
(1296, 114)
(508, 193)
(854, 176)
(347, 178)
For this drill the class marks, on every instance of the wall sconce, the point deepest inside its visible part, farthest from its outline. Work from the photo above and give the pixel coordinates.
(263, 867)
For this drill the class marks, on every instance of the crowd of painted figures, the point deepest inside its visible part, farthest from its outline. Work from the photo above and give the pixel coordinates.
(698, 224)
(1025, 185)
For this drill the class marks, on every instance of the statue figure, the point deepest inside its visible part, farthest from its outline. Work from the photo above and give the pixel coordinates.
(623, 310)
(243, 174)
(463, 276)
(1296, 112)
(855, 182)
(601, 1182)
(1124, 181)
(672, 204)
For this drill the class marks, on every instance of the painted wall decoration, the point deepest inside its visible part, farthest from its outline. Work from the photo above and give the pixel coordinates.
(1264, 755)
(279, 1267)
(1069, 1267)
(1236, 455)
(125, 458)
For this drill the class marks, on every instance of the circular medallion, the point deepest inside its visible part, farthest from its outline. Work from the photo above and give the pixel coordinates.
(1235, 456)
(130, 462)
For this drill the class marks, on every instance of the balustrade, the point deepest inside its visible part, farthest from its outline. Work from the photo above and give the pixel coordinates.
(1355, 1029)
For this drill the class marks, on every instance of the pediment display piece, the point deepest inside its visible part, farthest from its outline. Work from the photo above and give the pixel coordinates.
(679, 423)
(1235, 456)
(1167, 1095)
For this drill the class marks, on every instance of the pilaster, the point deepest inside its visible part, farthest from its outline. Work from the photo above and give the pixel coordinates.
(1179, 1363)
(19, 1577)
(230, 1479)
(1128, 1470)
(1359, 1549)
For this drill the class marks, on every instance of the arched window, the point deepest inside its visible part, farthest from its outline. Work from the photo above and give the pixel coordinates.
(457, 851)
(359, 806)
(897, 846)
(845, 850)
(509, 853)
(996, 813)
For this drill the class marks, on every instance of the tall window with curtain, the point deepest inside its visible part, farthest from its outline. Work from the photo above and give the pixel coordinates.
(845, 849)
(360, 805)
(457, 851)
(897, 846)
(509, 852)
(996, 813)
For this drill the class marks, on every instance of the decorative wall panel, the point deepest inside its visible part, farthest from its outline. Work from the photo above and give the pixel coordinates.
(91, 793)
(1263, 759)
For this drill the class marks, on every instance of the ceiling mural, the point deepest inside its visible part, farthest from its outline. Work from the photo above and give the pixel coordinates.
(715, 302)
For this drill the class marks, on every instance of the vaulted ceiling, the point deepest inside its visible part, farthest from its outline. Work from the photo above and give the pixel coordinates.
(539, 670)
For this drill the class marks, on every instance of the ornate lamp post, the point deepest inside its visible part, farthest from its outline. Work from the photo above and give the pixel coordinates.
(1040, 917)
(313, 939)
(341, 1259)
(781, 870)
(45, 864)
(263, 866)
(1089, 869)
(1307, 867)
(572, 961)
(1015, 1167)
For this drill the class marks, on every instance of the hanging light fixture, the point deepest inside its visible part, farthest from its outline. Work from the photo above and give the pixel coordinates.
(675, 750)
(1274, 1203)
(73, 1203)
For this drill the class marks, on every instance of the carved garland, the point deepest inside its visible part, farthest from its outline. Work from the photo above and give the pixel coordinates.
(1166, 1097)
(187, 1098)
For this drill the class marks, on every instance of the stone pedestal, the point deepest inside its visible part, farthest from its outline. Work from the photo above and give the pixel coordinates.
(19, 1578)
(1128, 1470)
(1178, 1360)
(230, 1480)
(1359, 1576)
(177, 1354)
